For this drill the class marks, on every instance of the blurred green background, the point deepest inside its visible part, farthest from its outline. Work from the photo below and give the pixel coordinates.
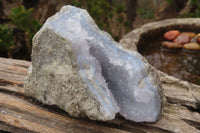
(21, 19)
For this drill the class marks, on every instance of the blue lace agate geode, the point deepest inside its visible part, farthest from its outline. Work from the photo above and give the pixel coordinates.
(82, 70)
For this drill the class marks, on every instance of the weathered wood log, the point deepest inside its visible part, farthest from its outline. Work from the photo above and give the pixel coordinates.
(20, 113)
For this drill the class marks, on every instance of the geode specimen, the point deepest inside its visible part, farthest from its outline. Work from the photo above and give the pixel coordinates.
(82, 70)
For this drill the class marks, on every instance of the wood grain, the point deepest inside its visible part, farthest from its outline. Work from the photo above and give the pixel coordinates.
(22, 114)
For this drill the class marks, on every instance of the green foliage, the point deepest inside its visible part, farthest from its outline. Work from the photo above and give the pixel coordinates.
(145, 13)
(76, 3)
(105, 14)
(23, 19)
(169, 1)
(196, 13)
(126, 24)
(195, 2)
(100, 11)
(6, 37)
(120, 8)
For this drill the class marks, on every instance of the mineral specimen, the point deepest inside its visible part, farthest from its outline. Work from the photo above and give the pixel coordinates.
(182, 39)
(82, 70)
(192, 46)
(171, 45)
(171, 35)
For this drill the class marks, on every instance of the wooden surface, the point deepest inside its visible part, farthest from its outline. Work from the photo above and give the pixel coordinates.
(22, 114)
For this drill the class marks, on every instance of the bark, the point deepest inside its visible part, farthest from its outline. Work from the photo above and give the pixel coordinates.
(171, 10)
(131, 11)
(20, 113)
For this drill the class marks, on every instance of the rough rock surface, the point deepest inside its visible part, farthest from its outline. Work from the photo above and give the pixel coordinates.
(76, 66)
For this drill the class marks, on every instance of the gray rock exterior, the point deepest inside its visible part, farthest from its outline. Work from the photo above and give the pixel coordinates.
(82, 70)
